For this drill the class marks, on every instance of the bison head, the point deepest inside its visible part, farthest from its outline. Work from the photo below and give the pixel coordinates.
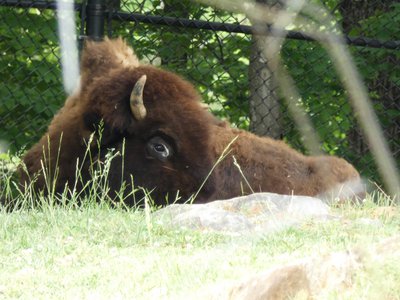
(152, 116)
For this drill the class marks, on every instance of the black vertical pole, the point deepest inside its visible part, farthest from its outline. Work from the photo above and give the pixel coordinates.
(95, 16)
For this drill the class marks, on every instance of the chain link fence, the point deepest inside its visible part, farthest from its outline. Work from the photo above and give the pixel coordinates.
(216, 51)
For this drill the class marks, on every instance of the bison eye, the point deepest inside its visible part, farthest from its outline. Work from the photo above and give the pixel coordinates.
(158, 148)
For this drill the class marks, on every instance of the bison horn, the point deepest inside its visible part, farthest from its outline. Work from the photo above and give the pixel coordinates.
(136, 101)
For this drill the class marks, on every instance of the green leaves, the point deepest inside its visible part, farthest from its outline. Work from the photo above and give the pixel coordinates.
(31, 89)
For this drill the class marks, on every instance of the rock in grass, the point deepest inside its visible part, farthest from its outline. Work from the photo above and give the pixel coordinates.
(260, 212)
(315, 277)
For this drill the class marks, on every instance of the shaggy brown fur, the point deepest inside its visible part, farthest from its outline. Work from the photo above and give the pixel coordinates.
(272, 166)
(195, 139)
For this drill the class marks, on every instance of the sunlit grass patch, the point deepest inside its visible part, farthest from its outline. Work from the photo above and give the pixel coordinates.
(106, 252)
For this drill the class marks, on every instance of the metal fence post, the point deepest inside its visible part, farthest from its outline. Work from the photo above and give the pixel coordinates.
(95, 17)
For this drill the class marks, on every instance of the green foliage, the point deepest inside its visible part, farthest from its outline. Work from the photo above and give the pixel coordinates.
(322, 93)
(380, 70)
(31, 90)
(326, 101)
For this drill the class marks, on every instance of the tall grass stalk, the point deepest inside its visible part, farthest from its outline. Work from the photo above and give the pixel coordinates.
(236, 164)
(223, 155)
(147, 213)
(50, 179)
(88, 189)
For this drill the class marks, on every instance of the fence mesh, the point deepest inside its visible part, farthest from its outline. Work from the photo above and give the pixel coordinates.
(216, 51)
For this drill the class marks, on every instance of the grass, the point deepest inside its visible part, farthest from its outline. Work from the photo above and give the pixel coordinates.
(96, 251)
(99, 252)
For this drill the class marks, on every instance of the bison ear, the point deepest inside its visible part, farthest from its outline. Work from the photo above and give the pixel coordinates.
(98, 58)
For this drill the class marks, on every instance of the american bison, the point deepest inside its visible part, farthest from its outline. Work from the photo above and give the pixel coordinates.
(169, 140)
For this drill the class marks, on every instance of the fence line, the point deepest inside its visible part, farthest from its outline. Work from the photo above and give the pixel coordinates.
(100, 12)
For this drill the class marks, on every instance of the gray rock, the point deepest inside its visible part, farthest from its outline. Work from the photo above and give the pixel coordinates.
(260, 212)
(313, 277)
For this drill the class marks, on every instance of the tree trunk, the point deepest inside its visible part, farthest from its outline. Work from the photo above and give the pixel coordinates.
(265, 110)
